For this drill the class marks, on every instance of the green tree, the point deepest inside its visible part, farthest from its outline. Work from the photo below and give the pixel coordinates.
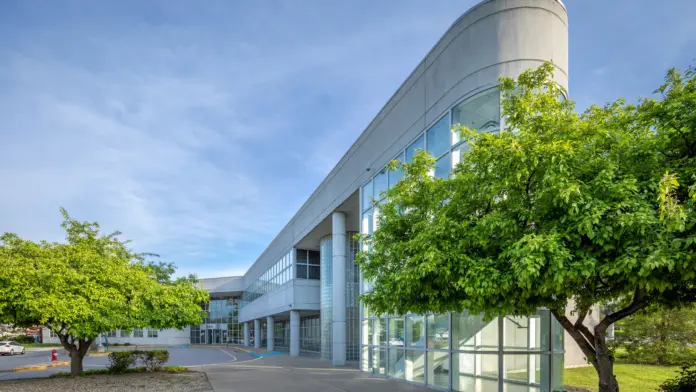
(90, 284)
(658, 335)
(558, 206)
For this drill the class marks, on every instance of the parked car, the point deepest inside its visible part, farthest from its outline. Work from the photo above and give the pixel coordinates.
(10, 347)
(396, 342)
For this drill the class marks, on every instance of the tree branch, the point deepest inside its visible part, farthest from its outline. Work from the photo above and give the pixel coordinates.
(639, 302)
(586, 346)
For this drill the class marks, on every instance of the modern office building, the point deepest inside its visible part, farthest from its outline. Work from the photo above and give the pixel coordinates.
(301, 294)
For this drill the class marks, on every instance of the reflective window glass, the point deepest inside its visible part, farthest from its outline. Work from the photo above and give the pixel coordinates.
(380, 184)
(301, 271)
(396, 175)
(412, 150)
(314, 271)
(396, 331)
(438, 331)
(516, 333)
(396, 363)
(367, 196)
(415, 331)
(379, 361)
(516, 368)
(480, 112)
(464, 330)
(415, 366)
(442, 167)
(438, 137)
(438, 369)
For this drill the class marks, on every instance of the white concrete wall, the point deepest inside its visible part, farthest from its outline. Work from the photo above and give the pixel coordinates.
(574, 356)
(165, 337)
(297, 294)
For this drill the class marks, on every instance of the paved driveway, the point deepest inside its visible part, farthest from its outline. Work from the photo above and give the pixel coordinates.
(189, 357)
(297, 374)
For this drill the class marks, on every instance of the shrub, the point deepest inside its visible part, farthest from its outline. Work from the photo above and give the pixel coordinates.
(120, 361)
(126, 344)
(657, 353)
(116, 344)
(684, 382)
(23, 339)
(153, 359)
(150, 360)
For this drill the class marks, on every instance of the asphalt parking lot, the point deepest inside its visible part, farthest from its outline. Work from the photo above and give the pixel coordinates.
(189, 357)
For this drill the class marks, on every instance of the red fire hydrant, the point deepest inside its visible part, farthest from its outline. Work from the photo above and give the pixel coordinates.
(54, 355)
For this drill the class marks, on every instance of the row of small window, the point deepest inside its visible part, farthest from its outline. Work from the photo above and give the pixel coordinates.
(480, 112)
(137, 333)
(462, 331)
(469, 371)
(276, 275)
(307, 264)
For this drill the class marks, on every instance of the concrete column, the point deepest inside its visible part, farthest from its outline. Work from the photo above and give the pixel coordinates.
(294, 333)
(338, 249)
(257, 333)
(269, 333)
(246, 334)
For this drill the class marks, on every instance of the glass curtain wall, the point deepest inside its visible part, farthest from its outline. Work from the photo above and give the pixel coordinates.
(456, 351)
(310, 333)
(274, 277)
(281, 334)
(352, 292)
(464, 352)
(221, 324)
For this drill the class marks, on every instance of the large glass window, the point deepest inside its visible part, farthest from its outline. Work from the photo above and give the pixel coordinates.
(438, 331)
(398, 174)
(380, 335)
(396, 331)
(367, 196)
(465, 327)
(138, 333)
(276, 275)
(415, 366)
(480, 112)
(379, 360)
(438, 137)
(442, 167)
(412, 150)
(396, 362)
(380, 183)
(438, 368)
(415, 331)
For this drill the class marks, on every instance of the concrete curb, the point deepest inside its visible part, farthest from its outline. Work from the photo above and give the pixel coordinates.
(32, 368)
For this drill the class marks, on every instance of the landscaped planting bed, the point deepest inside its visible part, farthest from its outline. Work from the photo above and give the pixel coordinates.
(154, 382)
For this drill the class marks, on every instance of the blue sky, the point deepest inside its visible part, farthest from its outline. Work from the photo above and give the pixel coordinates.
(199, 128)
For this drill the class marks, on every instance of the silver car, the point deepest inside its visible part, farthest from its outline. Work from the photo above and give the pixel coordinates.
(10, 347)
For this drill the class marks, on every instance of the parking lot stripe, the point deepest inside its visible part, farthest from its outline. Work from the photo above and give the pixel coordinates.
(233, 357)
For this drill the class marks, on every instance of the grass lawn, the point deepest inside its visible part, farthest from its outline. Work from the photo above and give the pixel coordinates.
(30, 345)
(643, 378)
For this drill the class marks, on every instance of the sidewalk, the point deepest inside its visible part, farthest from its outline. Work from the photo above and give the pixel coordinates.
(301, 374)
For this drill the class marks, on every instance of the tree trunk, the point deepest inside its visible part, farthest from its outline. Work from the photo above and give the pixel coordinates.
(605, 364)
(75, 363)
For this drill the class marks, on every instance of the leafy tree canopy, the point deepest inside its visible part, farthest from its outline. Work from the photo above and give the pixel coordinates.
(91, 284)
(558, 206)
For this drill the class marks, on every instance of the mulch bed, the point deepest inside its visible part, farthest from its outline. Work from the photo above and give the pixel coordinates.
(154, 382)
